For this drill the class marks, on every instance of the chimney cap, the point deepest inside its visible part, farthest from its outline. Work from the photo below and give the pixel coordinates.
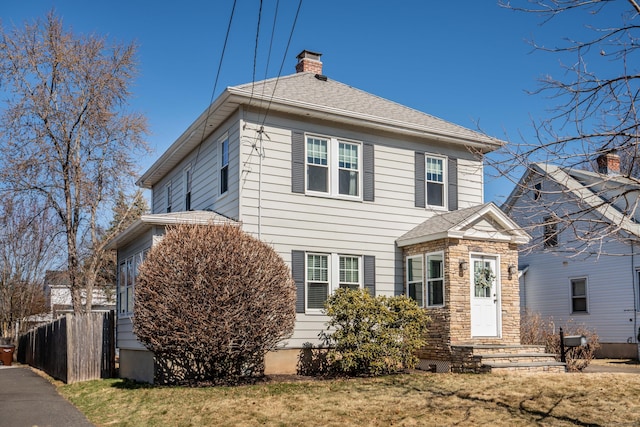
(609, 163)
(308, 54)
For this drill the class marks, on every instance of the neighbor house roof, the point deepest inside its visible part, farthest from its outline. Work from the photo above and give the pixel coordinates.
(606, 195)
(479, 222)
(146, 222)
(313, 96)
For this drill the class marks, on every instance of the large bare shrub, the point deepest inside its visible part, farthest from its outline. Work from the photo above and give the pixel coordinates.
(534, 329)
(210, 302)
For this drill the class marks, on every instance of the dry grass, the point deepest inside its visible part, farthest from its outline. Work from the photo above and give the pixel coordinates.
(595, 399)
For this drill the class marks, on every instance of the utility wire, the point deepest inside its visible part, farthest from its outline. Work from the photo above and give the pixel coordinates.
(284, 57)
(255, 53)
(215, 84)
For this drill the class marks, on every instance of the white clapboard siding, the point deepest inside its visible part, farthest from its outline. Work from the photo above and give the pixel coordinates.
(291, 221)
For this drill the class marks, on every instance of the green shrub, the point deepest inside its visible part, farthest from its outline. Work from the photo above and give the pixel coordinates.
(372, 335)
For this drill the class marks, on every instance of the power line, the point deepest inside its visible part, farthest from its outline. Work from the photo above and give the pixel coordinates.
(284, 57)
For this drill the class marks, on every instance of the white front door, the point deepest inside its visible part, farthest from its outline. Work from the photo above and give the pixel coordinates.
(485, 297)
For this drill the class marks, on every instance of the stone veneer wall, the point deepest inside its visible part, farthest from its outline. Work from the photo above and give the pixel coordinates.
(451, 324)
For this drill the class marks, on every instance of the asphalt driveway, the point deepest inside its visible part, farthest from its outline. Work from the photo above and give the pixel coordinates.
(29, 400)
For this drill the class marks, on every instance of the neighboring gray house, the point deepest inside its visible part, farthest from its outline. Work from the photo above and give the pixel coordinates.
(332, 177)
(583, 263)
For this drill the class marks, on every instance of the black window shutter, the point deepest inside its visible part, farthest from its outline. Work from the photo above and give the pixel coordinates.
(297, 271)
(452, 177)
(297, 162)
(368, 179)
(419, 180)
(370, 274)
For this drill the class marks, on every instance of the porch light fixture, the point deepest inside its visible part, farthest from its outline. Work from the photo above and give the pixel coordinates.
(464, 265)
(512, 270)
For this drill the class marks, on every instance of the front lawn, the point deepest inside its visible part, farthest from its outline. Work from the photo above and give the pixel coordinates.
(595, 399)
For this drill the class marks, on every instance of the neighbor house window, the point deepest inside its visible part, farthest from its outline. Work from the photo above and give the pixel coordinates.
(579, 295)
(327, 272)
(187, 189)
(333, 166)
(550, 235)
(169, 198)
(537, 191)
(435, 279)
(435, 180)
(415, 275)
(224, 165)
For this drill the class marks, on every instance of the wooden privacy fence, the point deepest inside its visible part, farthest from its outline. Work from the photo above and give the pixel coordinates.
(76, 347)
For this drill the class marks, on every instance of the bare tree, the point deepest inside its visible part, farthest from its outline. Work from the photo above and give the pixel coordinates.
(66, 133)
(595, 92)
(27, 249)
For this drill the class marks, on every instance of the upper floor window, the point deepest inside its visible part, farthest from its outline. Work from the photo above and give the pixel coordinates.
(224, 165)
(169, 198)
(187, 189)
(550, 232)
(435, 180)
(579, 295)
(333, 166)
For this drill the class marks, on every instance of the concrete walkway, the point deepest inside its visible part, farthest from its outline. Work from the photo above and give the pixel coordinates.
(29, 400)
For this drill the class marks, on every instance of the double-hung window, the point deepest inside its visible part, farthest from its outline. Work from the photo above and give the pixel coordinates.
(224, 165)
(435, 169)
(317, 280)
(426, 287)
(435, 279)
(333, 166)
(127, 274)
(327, 272)
(187, 189)
(579, 295)
(415, 275)
(169, 198)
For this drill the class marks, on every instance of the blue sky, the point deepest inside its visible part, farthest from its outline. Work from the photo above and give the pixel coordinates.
(465, 61)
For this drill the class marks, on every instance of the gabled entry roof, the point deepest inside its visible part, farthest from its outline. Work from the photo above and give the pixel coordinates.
(482, 222)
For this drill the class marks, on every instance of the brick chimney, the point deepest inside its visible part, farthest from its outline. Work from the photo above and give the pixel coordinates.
(309, 62)
(609, 163)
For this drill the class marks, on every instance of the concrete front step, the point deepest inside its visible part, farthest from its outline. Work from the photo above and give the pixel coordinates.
(551, 367)
(504, 358)
(489, 349)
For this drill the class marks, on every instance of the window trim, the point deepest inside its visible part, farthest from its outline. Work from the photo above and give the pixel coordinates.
(429, 304)
(574, 297)
(333, 275)
(333, 167)
(444, 183)
(127, 284)
(223, 168)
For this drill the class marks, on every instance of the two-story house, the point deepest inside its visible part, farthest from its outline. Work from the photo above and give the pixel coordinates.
(352, 190)
(582, 265)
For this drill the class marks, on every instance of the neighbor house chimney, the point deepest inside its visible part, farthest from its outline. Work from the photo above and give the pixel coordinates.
(609, 163)
(309, 62)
